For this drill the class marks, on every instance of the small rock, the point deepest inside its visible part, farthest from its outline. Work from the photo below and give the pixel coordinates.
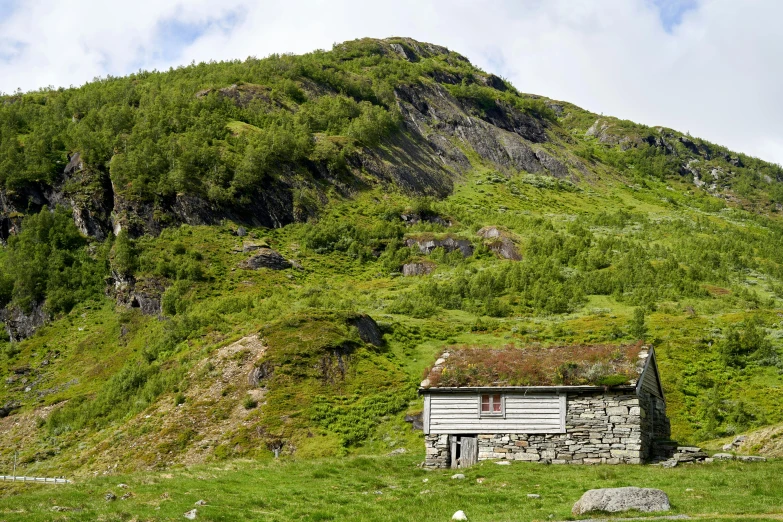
(122, 486)
(728, 447)
(613, 500)
(398, 451)
(191, 515)
(503, 463)
(425, 480)
(424, 492)
(723, 456)
(688, 489)
(688, 449)
(533, 495)
(110, 496)
(708, 460)
(59, 509)
(379, 492)
(459, 515)
(241, 232)
(739, 440)
(671, 463)
(127, 495)
(458, 476)
(201, 503)
(480, 480)
(750, 458)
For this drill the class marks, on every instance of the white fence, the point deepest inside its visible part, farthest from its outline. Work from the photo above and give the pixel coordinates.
(41, 480)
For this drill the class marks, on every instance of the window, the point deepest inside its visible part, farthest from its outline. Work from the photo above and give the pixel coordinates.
(491, 404)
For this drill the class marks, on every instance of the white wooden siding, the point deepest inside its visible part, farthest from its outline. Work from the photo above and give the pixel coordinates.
(458, 413)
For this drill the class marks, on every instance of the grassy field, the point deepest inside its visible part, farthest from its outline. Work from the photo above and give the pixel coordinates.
(393, 489)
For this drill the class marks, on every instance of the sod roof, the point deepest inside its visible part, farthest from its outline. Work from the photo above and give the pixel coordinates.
(574, 365)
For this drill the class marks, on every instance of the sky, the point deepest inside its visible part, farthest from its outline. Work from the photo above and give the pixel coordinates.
(708, 67)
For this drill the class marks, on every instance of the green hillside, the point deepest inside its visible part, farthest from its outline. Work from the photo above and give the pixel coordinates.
(239, 259)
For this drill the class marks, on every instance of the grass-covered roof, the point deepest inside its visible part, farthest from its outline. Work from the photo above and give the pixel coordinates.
(575, 365)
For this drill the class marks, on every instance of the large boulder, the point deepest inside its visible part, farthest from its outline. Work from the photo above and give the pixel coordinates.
(613, 500)
(266, 258)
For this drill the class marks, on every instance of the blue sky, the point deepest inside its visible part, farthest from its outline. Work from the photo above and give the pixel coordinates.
(670, 12)
(686, 64)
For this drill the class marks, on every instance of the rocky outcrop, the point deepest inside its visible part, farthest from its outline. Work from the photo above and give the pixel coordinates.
(368, 329)
(449, 244)
(8, 408)
(145, 293)
(417, 269)
(614, 500)
(266, 258)
(500, 243)
(21, 324)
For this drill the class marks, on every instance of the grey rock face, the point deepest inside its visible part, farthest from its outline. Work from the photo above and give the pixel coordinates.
(502, 244)
(426, 246)
(266, 258)
(613, 500)
(417, 269)
(368, 329)
(20, 324)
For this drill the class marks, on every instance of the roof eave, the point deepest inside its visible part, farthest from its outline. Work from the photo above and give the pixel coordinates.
(551, 389)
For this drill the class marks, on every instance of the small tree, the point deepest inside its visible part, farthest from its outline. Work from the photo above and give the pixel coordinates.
(637, 327)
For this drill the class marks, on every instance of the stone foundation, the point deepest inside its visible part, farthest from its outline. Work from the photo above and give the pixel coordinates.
(600, 429)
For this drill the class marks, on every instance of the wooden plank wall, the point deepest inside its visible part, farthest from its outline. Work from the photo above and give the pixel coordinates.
(650, 382)
(458, 413)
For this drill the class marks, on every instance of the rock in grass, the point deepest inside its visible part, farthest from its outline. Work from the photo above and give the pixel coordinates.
(266, 258)
(750, 458)
(458, 476)
(201, 503)
(613, 500)
(533, 495)
(723, 456)
(191, 515)
(110, 496)
(459, 515)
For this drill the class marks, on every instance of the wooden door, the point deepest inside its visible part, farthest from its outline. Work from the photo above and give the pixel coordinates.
(454, 443)
(468, 451)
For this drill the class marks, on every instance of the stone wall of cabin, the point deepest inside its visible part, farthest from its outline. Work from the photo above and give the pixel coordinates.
(600, 429)
(438, 453)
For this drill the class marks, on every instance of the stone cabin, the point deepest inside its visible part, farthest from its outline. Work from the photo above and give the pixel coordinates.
(563, 405)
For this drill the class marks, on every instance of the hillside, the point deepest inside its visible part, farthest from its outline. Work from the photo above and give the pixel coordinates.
(243, 259)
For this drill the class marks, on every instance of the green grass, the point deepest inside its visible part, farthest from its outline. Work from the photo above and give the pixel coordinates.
(393, 489)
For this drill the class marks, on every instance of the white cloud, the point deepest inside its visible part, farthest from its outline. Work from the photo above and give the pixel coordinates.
(714, 74)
